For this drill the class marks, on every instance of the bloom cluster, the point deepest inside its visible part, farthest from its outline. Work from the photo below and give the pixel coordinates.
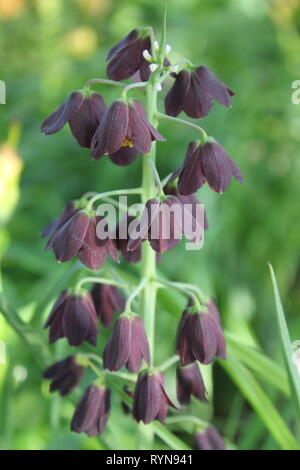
(122, 131)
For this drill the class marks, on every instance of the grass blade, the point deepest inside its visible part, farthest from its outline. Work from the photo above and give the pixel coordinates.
(256, 396)
(262, 366)
(287, 348)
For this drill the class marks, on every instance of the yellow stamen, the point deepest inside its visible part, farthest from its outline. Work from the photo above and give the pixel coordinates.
(127, 142)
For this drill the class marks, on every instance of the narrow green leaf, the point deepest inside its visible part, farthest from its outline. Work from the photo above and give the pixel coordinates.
(294, 378)
(34, 341)
(256, 396)
(262, 366)
(168, 437)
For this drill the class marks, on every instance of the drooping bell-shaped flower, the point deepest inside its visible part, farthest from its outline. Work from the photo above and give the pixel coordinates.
(191, 202)
(73, 316)
(107, 300)
(193, 92)
(122, 234)
(200, 336)
(163, 222)
(209, 439)
(126, 57)
(78, 236)
(65, 375)
(207, 162)
(92, 411)
(189, 382)
(150, 400)
(127, 346)
(124, 125)
(82, 111)
(69, 210)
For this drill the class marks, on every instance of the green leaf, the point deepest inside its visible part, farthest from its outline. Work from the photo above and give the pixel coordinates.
(259, 363)
(40, 351)
(168, 437)
(256, 396)
(293, 375)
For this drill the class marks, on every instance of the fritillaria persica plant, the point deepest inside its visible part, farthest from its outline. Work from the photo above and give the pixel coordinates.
(125, 130)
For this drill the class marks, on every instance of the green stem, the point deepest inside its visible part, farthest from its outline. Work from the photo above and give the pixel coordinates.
(168, 363)
(148, 261)
(104, 81)
(134, 293)
(166, 117)
(99, 280)
(117, 192)
(133, 85)
(192, 419)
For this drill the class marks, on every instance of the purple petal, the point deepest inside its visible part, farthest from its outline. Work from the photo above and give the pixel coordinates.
(62, 114)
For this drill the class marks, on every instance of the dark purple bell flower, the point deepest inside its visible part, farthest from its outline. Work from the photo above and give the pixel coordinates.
(199, 336)
(193, 92)
(164, 222)
(207, 162)
(68, 211)
(209, 439)
(124, 125)
(131, 256)
(172, 189)
(124, 156)
(107, 300)
(127, 346)
(82, 112)
(65, 375)
(189, 382)
(150, 400)
(77, 236)
(92, 411)
(73, 317)
(126, 57)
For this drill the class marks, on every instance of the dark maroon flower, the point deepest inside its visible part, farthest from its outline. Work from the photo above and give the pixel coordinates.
(124, 125)
(68, 211)
(124, 156)
(190, 383)
(207, 162)
(164, 222)
(82, 112)
(194, 92)
(77, 236)
(65, 375)
(73, 317)
(127, 345)
(92, 411)
(107, 300)
(122, 234)
(190, 200)
(199, 336)
(126, 57)
(150, 400)
(209, 439)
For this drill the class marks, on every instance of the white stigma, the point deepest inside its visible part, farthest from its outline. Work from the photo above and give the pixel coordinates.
(158, 87)
(153, 67)
(146, 55)
(156, 45)
(168, 49)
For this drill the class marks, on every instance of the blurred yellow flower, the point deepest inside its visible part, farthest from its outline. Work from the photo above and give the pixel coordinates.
(94, 6)
(80, 42)
(10, 8)
(10, 170)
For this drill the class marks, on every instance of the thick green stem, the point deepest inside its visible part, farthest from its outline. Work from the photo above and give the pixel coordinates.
(148, 271)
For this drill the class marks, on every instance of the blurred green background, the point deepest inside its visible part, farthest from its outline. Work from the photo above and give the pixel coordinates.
(49, 48)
